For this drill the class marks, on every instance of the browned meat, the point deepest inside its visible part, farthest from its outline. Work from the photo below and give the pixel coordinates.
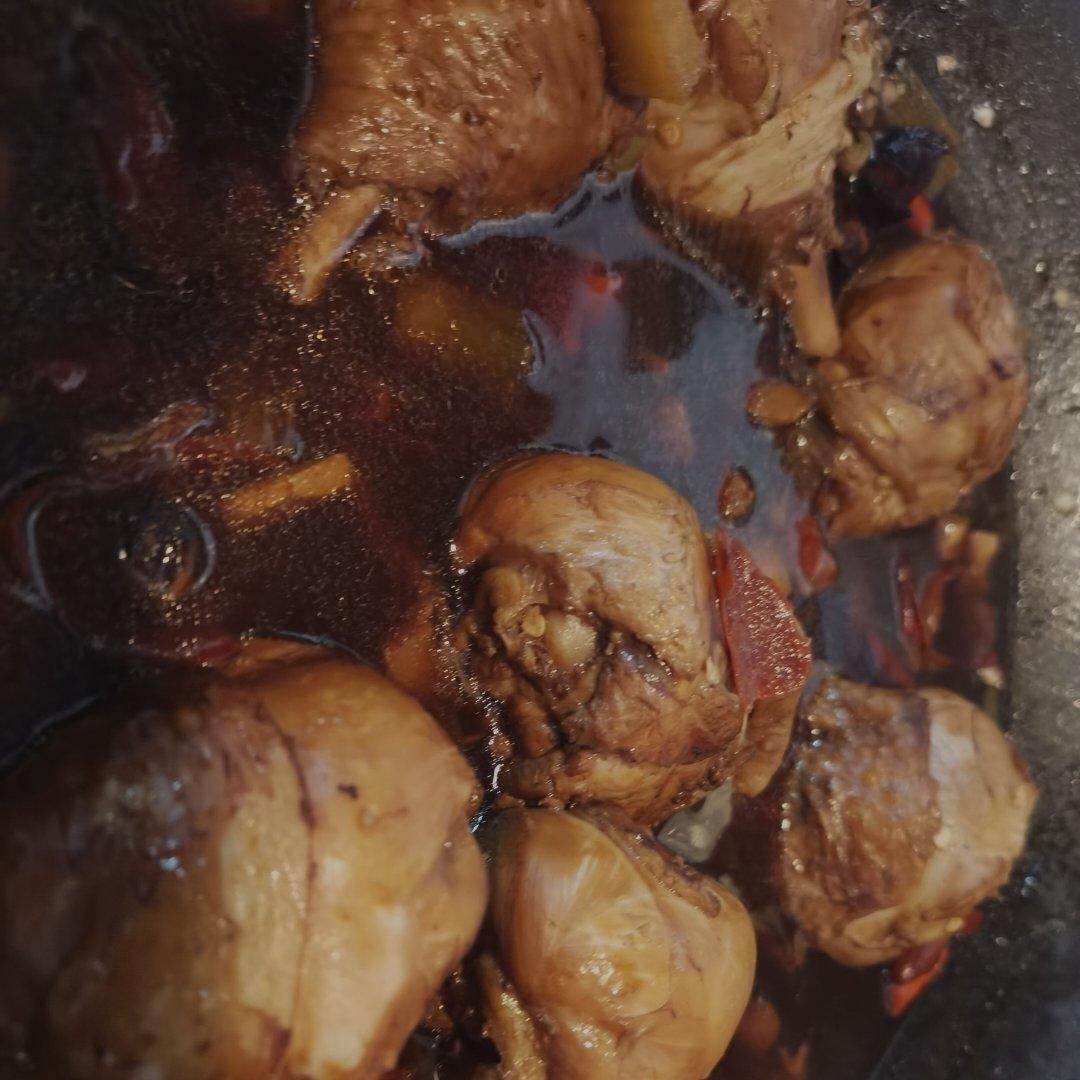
(271, 878)
(593, 620)
(899, 813)
(613, 959)
(745, 166)
(925, 396)
(444, 112)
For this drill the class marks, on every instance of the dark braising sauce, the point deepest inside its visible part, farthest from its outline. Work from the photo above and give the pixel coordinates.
(151, 371)
(579, 330)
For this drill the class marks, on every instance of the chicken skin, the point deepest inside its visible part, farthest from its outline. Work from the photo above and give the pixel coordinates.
(612, 958)
(271, 876)
(899, 812)
(593, 622)
(923, 401)
(744, 167)
(440, 113)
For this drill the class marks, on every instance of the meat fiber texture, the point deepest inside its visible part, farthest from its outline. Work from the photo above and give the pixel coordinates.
(924, 398)
(592, 620)
(481, 108)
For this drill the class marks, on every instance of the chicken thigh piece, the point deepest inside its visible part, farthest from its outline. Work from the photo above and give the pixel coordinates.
(612, 959)
(270, 876)
(899, 813)
(592, 621)
(925, 396)
(744, 168)
(440, 113)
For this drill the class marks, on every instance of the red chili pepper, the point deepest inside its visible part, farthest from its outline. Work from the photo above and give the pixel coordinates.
(759, 1029)
(655, 363)
(84, 364)
(931, 614)
(972, 923)
(969, 629)
(917, 960)
(891, 667)
(932, 600)
(602, 287)
(907, 603)
(603, 282)
(912, 973)
(15, 528)
(920, 216)
(816, 564)
(63, 376)
(770, 655)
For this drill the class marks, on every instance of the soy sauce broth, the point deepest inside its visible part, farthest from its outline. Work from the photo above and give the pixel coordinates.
(579, 330)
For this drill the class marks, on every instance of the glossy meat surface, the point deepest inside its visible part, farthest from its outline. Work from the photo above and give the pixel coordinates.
(237, 885)
(592, 620)
(928, 389)
(478, 108)
(900, 812)
(617, 960)
(746, 165)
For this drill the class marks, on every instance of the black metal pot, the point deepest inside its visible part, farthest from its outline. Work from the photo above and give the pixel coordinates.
(1010, 1005)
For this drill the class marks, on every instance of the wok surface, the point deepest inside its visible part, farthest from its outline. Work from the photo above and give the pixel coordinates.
(1010, 1005)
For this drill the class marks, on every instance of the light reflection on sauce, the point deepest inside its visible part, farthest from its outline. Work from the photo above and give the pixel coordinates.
(653, 370)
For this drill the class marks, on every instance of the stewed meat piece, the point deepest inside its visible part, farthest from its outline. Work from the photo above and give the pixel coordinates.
(923, 401)
(270, 876)
(611, 958)
(900, 811)
(592, 620)
(443, 112)
(745, 165)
